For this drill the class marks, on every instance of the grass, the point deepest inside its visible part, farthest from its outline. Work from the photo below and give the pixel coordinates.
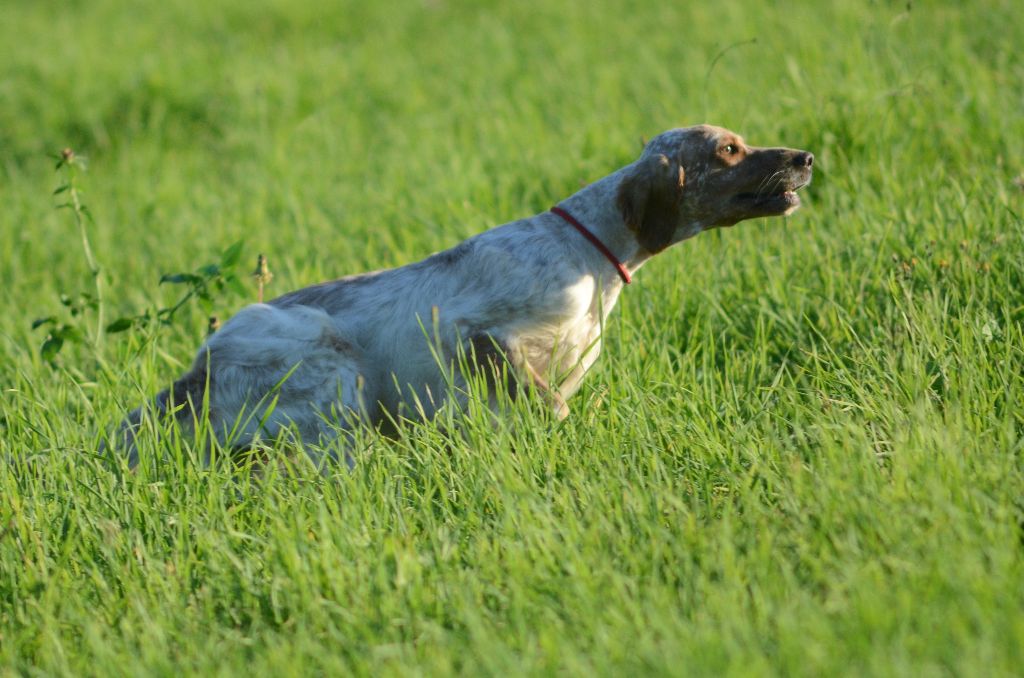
(801, 452)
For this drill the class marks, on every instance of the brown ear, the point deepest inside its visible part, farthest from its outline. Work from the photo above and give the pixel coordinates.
(649, 200)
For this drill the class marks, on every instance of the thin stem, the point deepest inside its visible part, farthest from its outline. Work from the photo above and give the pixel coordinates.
(721, 53)
(168, 313)
(94, 268)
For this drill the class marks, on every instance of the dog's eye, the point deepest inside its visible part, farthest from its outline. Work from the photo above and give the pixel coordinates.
(730, 149)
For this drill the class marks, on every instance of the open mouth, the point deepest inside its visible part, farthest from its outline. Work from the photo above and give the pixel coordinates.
(784, 201)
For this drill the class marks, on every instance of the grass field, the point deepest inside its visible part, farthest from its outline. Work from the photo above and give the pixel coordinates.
(801, 453)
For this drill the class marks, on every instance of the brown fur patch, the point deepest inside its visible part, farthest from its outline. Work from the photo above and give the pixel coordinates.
(649, 200)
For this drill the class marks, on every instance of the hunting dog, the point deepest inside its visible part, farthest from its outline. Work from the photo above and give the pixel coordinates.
(526, 300)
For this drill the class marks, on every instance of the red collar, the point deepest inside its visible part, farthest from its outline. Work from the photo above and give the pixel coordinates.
(596, 242)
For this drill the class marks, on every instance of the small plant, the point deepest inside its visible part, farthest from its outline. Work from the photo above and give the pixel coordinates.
(68, 330)
(262, 275)
(71, 329)
(202, 285)
(72, 326)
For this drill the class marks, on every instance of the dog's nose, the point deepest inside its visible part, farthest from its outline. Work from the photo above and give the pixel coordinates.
(803, 159)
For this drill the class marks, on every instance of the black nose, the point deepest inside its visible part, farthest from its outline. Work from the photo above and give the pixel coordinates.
(803, 159)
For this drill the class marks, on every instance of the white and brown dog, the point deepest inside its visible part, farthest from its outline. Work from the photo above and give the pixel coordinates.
(528, 298)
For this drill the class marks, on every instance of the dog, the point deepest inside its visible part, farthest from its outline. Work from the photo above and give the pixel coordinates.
(522, 304)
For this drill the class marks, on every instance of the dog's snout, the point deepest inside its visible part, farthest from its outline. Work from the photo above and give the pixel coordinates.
(803, 159)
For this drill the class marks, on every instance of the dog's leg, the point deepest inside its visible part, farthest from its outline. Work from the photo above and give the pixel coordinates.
(550, 394)
(267, 372)
(505, 367)
(287, 371)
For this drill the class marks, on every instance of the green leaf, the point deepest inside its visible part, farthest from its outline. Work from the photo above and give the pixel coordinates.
(39, 322)
(179, 278)
(230, 256)
(120, 325)
(210, 270)
(68, 333)
(61, 189)
(51, 347)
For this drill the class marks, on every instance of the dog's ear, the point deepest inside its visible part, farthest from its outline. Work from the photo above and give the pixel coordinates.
(649, 199)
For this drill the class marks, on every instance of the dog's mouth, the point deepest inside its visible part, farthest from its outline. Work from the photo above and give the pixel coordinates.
(781, 201)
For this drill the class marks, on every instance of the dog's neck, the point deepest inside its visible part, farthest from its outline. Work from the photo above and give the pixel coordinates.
(596, 208)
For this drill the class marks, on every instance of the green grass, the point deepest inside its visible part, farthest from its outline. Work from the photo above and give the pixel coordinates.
(801, 452)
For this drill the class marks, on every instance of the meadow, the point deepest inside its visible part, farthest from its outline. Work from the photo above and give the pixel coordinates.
(801, 452)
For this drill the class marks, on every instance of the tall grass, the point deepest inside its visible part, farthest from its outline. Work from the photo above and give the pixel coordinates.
(800, 452)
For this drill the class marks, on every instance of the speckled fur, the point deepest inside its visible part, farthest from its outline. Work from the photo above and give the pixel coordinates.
(533, 293)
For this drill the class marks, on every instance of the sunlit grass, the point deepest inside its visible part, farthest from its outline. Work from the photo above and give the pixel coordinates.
(800, 452)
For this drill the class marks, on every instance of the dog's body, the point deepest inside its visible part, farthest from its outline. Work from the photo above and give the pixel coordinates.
(530, 296)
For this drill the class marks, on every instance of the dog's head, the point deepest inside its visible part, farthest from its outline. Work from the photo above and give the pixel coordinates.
(695, 178)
